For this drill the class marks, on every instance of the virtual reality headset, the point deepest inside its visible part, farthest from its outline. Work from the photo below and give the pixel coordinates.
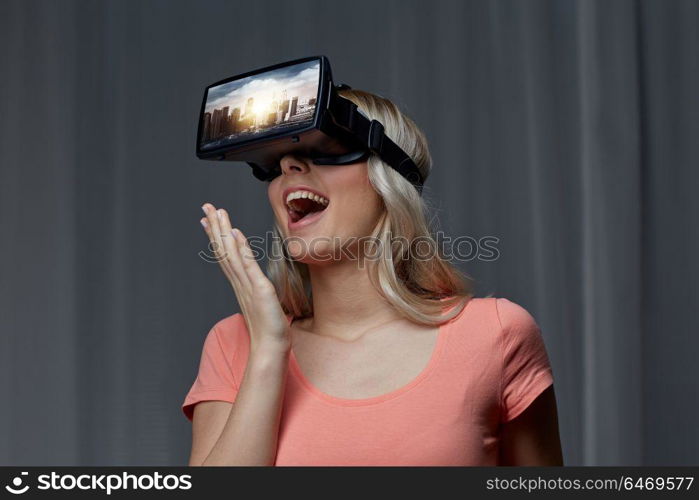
(291, 108)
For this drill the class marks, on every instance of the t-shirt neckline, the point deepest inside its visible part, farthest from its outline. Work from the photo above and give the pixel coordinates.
(437, 351)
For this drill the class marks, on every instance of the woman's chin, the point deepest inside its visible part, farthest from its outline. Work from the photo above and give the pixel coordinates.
(309, 249)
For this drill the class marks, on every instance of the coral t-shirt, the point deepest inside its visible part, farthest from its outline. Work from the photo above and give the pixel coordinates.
(488, 365)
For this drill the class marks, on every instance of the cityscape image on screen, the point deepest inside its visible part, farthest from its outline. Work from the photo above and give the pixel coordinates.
(260, 105)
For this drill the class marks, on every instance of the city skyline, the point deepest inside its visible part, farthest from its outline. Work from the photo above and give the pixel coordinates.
(299, 79)
(261, 103)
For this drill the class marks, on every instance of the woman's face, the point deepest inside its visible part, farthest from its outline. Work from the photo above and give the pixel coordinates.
(320, 208)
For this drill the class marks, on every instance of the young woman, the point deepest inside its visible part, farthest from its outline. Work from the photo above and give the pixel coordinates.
(364, 354)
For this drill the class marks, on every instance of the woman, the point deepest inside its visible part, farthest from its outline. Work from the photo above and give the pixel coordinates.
(341, 357)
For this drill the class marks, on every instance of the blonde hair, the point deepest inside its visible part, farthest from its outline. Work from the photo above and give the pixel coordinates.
(418, 289)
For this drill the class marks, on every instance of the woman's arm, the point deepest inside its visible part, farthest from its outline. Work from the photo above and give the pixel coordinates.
(532, 438)
(249, 434)
(246, 432)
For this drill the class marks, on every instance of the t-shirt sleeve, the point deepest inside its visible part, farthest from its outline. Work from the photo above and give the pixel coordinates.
(216, 379)
(526, 367)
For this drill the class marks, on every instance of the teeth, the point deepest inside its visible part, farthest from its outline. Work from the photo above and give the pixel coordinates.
(306, 194)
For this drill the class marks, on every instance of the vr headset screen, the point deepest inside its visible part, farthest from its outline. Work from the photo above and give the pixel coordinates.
(261, 105)
(292, 107)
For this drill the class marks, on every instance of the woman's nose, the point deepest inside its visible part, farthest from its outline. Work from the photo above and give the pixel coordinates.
(291, 164)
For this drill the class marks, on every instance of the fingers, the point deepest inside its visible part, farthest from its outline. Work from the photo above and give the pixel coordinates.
(226, 248)
(255, 274)
(232, 247)
(214, 233)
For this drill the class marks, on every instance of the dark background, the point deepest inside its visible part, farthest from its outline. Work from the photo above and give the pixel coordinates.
(567, 129)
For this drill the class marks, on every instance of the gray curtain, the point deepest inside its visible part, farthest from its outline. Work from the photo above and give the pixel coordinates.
(566, 129)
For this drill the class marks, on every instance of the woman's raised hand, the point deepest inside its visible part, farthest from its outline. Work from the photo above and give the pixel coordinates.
(264, 316)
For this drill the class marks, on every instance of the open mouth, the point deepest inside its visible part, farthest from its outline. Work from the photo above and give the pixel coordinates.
(301, 204)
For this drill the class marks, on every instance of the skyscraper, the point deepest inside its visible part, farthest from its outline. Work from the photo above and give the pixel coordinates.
(235, 118)
(248, 107)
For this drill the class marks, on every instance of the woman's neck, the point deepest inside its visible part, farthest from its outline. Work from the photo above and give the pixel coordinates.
(345, 302)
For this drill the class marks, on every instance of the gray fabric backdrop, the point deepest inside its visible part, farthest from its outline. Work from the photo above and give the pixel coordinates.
(566, 129)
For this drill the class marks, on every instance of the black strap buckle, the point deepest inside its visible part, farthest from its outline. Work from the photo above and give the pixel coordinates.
(375, 139)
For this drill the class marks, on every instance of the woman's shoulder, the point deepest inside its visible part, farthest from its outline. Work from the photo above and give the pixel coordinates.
(497, 313)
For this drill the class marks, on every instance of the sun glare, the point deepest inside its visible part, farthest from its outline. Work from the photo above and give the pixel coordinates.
(261, 105)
